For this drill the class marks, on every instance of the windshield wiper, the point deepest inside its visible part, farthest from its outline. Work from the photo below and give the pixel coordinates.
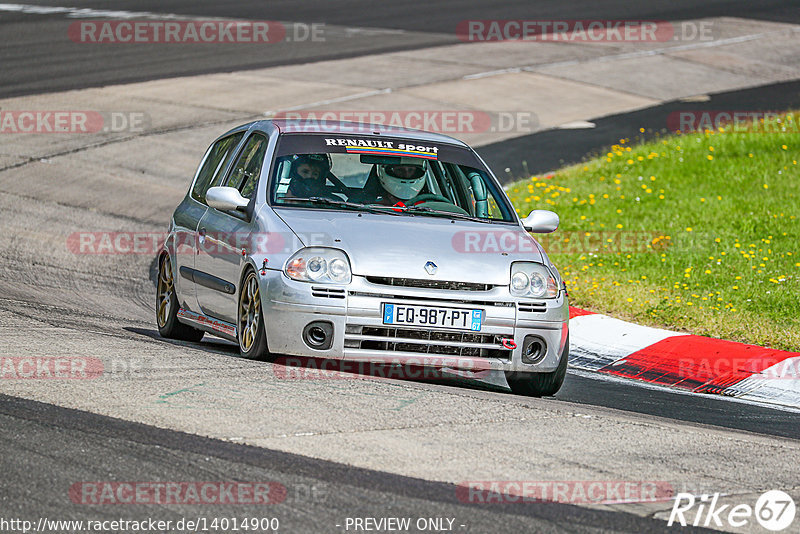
(341, 204)
(443, 213)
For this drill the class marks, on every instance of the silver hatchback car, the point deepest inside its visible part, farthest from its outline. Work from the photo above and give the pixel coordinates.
(363, 243)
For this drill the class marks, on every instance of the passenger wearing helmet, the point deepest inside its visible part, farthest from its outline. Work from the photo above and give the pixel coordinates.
(402, 182)
(308, 175)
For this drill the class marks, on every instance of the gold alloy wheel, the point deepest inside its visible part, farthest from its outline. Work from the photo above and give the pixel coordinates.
(166, 287)
(249, 312)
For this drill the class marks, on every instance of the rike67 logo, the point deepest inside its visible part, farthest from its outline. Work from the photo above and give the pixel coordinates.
(774, 511)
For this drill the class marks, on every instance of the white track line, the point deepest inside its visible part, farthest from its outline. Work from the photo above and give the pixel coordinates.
(346, 98)
(76, 12)
(633, 55)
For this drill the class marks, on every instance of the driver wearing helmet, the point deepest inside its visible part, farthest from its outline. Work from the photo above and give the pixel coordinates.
(308, 175)
(401, 182)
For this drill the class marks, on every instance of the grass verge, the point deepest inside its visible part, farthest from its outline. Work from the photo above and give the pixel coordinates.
(696, 232)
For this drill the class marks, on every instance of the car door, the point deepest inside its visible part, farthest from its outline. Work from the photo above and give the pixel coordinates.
(225, 234)
(187, 217)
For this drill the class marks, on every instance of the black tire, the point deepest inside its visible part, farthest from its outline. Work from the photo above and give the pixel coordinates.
(252, 344)
(540, 384)
(167, 318)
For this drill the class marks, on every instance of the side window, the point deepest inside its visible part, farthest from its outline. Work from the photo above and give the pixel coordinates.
(282, 176)
(247, 168)
(211, 173)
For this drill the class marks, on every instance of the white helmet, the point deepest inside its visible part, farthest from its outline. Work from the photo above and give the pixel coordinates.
(404, 180)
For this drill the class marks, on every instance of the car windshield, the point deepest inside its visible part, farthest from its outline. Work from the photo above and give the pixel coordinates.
(386, 175)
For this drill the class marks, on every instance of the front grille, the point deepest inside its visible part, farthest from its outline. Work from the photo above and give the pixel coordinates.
(426, 341)
(435, 299)
(429, 284)
(327, 292)
(532, 307)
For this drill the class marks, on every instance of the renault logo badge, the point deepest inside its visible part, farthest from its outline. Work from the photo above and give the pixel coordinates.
(430, 268)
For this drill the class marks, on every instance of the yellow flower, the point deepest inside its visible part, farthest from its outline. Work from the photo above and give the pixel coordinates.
(619, 226)
(710, 157)
(630, 299)
(688, 228)
(784, 147)
(766, 186)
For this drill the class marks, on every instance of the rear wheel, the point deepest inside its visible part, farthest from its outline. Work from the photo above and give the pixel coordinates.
(250, 329)
(167, 306)
(540, 384)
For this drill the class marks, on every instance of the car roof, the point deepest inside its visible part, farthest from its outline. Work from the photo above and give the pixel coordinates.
(292, 126)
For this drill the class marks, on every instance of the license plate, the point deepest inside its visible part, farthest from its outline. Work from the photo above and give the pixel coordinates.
(432, 316)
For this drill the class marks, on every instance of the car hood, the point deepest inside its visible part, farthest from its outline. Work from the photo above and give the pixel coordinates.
(400, 246)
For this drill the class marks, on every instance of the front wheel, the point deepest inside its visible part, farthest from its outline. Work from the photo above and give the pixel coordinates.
(251, 332)
(167, 306)
(540, 384)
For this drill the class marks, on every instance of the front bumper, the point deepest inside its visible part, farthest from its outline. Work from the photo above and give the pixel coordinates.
(355, 311)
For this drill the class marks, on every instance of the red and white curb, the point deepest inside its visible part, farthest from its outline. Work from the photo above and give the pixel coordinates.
(698, 364)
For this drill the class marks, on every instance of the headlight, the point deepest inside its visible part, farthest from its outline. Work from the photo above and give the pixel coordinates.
(530, 279)
(318, 264)
(520, 281)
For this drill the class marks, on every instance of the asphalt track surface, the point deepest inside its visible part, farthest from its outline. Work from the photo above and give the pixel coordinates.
(47, 448)
(38, 56)
(553, 149)
(320, 495)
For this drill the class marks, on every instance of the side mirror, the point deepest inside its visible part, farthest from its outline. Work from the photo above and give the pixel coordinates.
(226, 198)
(541, 222)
